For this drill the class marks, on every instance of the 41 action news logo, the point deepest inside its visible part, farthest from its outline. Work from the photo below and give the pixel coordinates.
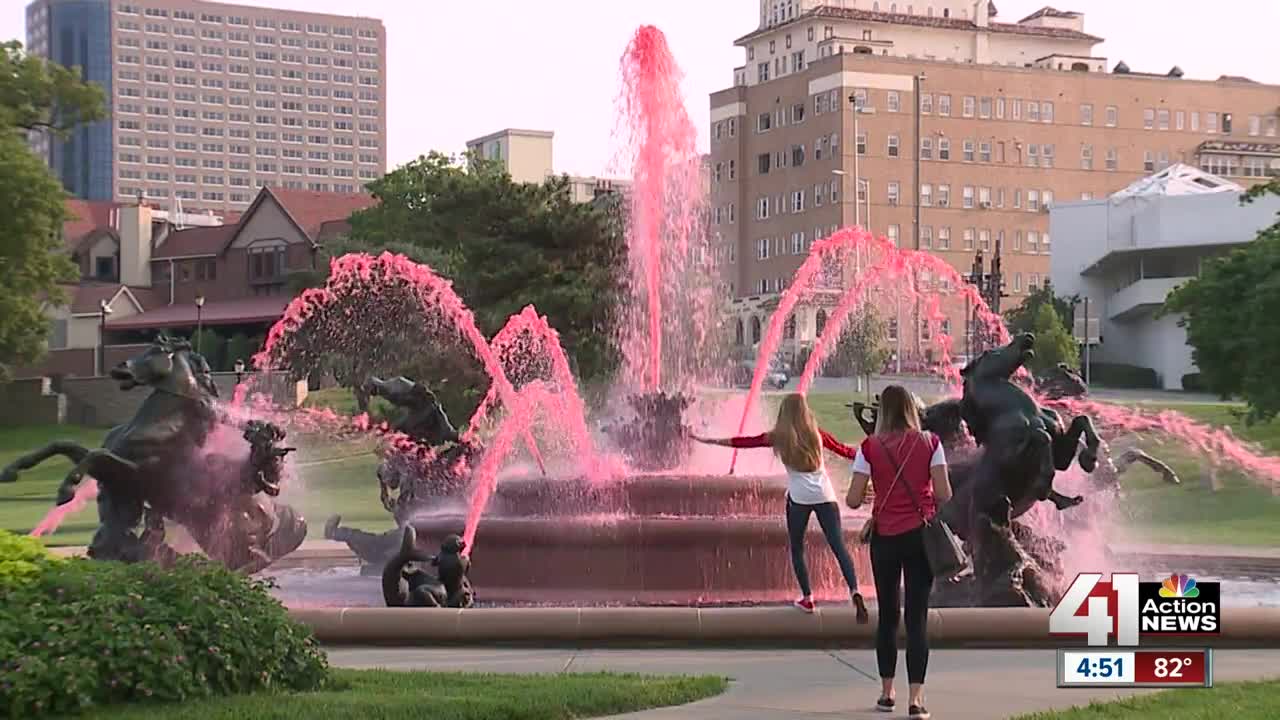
(1124, 608)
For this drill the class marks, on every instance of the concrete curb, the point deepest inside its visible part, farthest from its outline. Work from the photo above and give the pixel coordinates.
(722, 627)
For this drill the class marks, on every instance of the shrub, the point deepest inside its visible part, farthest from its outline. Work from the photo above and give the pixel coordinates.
(22, 558)
(81, 633)
(1119, 375)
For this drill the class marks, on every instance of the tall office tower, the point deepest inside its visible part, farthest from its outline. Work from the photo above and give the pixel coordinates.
(210, 101)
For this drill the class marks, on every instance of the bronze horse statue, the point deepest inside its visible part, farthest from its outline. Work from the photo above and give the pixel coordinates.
(159, 466)
(409, 478)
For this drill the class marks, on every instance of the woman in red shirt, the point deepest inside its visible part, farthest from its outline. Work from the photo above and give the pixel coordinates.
(907, 469)
(797, 441)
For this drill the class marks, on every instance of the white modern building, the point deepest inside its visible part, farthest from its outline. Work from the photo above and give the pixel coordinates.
(1127, 252)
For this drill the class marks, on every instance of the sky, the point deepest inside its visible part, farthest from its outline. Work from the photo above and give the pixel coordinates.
(460, 70)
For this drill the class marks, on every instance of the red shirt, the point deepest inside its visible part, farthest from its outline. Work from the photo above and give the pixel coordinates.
(828, 442)
(894, 510)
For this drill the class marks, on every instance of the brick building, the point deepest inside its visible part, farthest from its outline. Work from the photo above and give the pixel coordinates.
(1011, 118)
(143, 270)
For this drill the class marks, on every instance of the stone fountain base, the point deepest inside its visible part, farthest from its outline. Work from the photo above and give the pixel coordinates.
(648, 540)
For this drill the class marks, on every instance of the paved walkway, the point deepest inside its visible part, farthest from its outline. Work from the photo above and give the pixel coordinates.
(772, 684)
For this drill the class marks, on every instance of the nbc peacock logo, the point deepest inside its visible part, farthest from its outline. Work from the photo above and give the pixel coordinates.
(1179, 586)
(1178, 605)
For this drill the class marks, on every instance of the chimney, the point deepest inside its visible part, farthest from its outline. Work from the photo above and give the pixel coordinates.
(982, 13)
(135, 245)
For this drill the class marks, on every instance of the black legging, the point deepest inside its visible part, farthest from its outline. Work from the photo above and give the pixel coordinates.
(829, 518)
(897, 558)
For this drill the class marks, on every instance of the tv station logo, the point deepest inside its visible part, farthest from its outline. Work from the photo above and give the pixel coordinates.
(1125, 609)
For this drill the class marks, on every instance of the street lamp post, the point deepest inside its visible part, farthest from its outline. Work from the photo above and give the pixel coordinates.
(199, 320)
(104, 309)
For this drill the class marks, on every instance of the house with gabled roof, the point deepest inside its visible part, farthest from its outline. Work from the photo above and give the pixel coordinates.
(144, 270)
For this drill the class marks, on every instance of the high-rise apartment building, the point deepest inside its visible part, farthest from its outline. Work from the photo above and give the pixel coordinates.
(210, 101)
(967, 130)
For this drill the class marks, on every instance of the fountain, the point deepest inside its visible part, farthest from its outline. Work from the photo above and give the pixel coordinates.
(635, 514)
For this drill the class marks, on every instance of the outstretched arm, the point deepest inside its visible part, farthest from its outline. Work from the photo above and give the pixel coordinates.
(829, 442)
(754, 441)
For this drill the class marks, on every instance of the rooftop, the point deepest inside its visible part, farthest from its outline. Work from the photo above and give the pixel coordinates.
(947, 23)
(1177, 179)
(548, 134)
(224, 312)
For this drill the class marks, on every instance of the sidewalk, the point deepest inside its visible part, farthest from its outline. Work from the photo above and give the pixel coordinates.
(773, 685)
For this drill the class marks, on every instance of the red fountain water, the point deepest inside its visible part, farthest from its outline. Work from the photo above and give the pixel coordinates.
(899, 271)
(815, 274)
(358, 274)
(666, 198)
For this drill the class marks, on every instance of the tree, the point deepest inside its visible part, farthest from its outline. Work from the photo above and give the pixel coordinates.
(34, 95)
(1054, 344)
(864, 345)
(506, 245)
(1231, 313)
(1024, 317)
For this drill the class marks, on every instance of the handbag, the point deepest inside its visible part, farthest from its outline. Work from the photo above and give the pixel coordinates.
(946, 555)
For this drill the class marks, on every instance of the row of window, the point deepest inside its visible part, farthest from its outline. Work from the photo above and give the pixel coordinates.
(126, 173)
(163, 143)
(242, 101)
(1030, 242)
(1214, 123)
(242, 21)
(215, 83)
(797, 200)
(268, 135)
(130, 191)
(267, 56)
(128, 75)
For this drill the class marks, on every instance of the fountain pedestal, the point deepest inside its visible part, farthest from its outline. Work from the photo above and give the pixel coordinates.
(645, 540)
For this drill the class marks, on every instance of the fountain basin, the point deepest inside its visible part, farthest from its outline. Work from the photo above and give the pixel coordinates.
(639, 496)
(688, 560)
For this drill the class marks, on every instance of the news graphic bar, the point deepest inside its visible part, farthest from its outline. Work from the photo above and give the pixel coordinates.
(1134, 668)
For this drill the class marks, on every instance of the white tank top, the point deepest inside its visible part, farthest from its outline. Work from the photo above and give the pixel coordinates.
(810, 488)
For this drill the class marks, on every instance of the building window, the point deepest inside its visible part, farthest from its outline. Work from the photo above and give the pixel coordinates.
(926, 195)
(966, 194)
(1179, 120)
(944, 196)
(1033, 201)
(267, 265)
(926, 237)
(862, 143)
(104, 268)
(1162, 119)
(984, 107)
(944, 105)
(944, 238)
(967, 105)
(968, 151)
(893, 189)
(762, 249)
(1112, 159)
(894, 101)
(926, 103)
(1086, 157)
(1148, 161)
(1086, 114)
(1195, 121)
(967, 237)
(1113, 115)
(893, 235)
(893, 146)
(926, 148)
(1046, 112)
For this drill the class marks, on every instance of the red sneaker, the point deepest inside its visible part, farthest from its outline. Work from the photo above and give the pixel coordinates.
(805, 604)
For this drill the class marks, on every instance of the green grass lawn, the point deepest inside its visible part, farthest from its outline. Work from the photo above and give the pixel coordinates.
(1228, 700)
(386, 695)
(338, 477)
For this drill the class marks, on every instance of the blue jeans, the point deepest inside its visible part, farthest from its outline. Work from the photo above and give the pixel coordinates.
(829, 518)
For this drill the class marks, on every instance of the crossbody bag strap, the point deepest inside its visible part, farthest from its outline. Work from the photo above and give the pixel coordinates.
(915, 500)
(884, 449)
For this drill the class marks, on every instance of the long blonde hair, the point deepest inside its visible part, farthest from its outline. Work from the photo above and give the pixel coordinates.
(898, 411)
(795, 437)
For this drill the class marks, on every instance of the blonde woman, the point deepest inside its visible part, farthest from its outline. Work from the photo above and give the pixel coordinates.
(908, 470)
(797, 441)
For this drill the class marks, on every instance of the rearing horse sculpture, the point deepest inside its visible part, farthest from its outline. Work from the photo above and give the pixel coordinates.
(158, 466)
